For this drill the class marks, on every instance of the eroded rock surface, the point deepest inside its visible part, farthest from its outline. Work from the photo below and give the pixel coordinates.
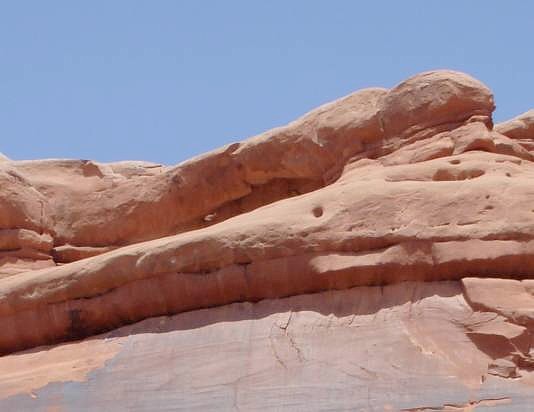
(520, 127)
(375, 254)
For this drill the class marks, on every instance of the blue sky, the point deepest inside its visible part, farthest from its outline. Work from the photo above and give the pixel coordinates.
(165, 80)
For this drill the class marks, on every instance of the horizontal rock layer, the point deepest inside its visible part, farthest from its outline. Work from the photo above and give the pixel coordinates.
(83, 203)
(399, 218)
(408, 346)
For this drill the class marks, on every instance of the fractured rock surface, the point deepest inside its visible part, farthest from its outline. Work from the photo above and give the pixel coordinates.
(375, 254)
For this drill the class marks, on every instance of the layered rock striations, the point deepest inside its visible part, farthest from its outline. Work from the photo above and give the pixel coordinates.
(384, 240)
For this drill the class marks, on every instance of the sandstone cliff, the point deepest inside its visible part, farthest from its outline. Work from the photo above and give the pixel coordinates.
(375, 254)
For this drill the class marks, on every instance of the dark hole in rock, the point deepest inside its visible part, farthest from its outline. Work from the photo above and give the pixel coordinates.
(318, 211)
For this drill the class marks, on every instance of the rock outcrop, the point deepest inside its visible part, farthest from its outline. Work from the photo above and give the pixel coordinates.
(521, 127)
(375, 254)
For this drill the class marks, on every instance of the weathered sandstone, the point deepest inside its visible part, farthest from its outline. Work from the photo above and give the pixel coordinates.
(384, 240)
(520, 127)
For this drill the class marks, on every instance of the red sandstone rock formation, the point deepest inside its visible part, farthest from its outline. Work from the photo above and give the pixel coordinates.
(375, 254)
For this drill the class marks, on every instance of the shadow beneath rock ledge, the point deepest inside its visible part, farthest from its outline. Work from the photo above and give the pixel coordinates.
(358, 301)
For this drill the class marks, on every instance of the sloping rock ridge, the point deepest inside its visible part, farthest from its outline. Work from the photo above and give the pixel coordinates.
(376, 254)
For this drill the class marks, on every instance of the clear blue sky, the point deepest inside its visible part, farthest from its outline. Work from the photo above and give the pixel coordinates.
(164, 80)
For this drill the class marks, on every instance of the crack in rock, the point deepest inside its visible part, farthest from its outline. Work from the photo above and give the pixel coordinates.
(469, 406)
